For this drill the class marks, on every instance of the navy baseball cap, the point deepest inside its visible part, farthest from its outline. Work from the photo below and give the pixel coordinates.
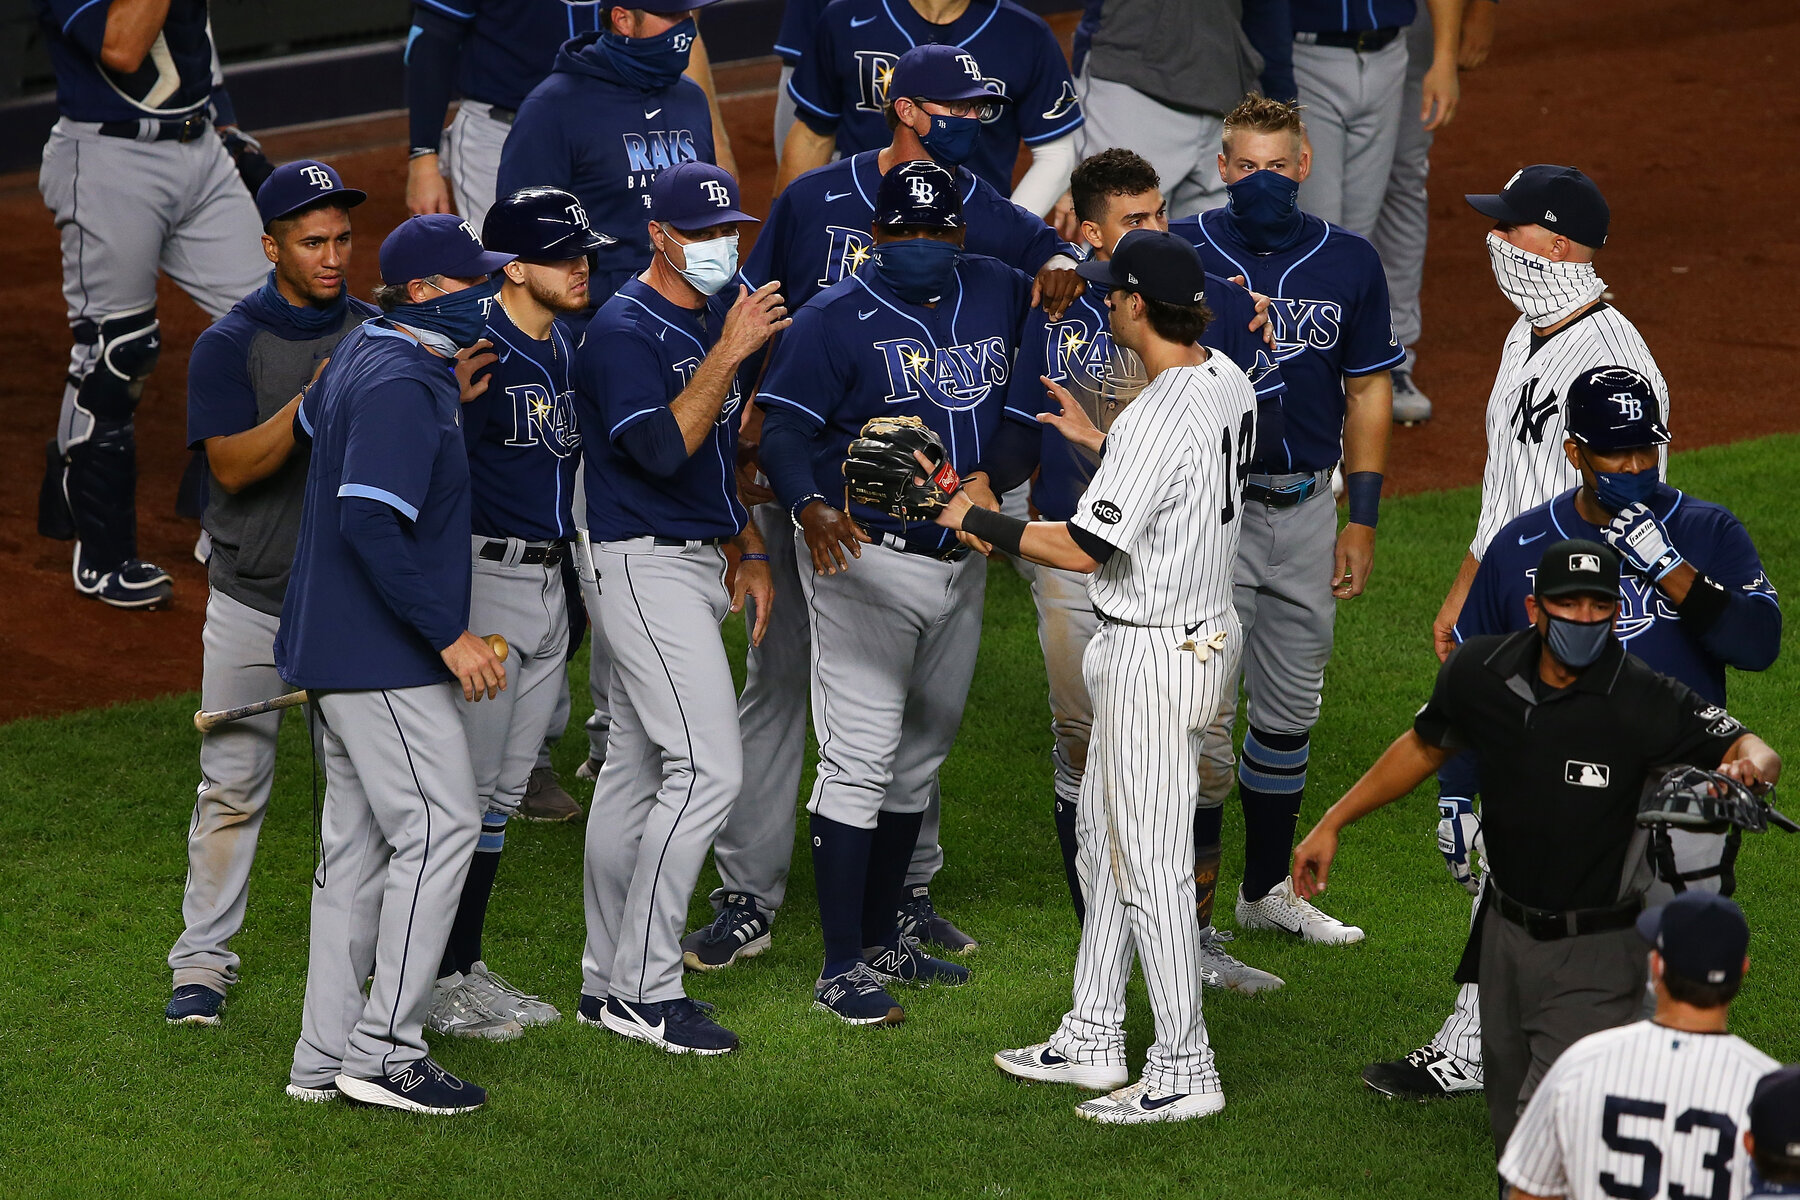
(1153, 263)
(934, 72)
(1702, 937)
(1561, 199)
(1615, 408)
(1576, 567)
(919, 194)
(696, 195)
(661, 8)
(1775, 1116)
(297, 185)
(436, 244)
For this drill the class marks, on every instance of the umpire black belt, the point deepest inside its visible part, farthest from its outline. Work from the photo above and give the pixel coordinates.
(955, 552)
(188, 129)
(1285, 491)
(1547, 926)
(1363, 41)
(547, 553)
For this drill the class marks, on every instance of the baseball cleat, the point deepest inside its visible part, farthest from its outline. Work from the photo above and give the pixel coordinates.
(920, 919)
(132, 584)
(1282, 909)
(460, 1008)
(421, 1086)
(1219, 969)
(1411, 406)
(545, 799)
(1426, 1074)
(194, 1004)
(680, 1026)
(857, 998)
(741, 930)
(313, 1095)
(1041, 1064)
(508, 1001)
(907, 963)
(1137, 1105)
(589, 1011)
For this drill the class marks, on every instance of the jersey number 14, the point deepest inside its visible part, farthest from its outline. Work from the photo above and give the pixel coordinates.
(1237, 464)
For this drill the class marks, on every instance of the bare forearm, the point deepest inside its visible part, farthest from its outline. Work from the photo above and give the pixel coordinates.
(697, 407)
(131, 29)
(1403, 766)
(1049, 543)
(699, 69)
(804, 149)
(750, 540)
(1446, 29)
(1758, 752)
(241, 459)
(1368, 422)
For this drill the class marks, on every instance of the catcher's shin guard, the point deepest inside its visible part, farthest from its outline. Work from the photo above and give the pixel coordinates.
(100, 484)
(54, 518)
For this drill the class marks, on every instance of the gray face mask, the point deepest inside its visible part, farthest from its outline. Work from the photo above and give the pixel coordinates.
(1577, 644)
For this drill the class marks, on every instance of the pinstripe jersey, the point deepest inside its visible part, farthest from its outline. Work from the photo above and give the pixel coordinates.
(1526, 414)
(1641, 1111)
(1168, 496)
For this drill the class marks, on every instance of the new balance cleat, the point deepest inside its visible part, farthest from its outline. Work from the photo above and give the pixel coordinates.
(1041, 1064)
(313, 1095)
(1282, 909)
(908, 963)
(679, 1026)
(919, 918)
(741, 930)
(857, 998)
(1137, 1105)
(420, 1086)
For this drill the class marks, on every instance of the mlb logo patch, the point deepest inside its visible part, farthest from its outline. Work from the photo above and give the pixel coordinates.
(1585, 562)
(1587, 774)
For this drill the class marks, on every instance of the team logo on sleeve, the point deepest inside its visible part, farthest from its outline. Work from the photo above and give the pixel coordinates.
(1587, 774)
(952, 377)
(1065, 103)
(1106, 512)
(542, 419)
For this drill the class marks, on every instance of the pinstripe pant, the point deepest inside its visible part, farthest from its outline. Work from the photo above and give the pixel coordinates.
(1135, 830)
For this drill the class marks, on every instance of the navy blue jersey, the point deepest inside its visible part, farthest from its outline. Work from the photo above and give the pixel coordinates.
(840, 85)
(1076, 352)
(1330, 312)
(523, 441)
(857, 351)
(588, 132)
(1332, 16)
(386, 425)
(798, 21)
(511, 44)
(174, 79)
(638, 353)
(818, 229)
(1708, 536)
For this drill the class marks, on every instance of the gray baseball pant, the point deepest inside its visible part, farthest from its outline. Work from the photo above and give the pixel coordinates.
(1353, 120)
(784, 121)
(673, 763)
(400, 822)
(1182, 146)
(237, 770)
(1401, 226)
(1066, 624)
(471, 158)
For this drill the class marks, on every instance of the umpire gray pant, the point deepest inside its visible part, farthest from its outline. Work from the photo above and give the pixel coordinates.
(399, 826)
(673, 763)
(1353, 120)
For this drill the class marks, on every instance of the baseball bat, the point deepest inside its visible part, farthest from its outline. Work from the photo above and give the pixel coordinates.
(205, 721)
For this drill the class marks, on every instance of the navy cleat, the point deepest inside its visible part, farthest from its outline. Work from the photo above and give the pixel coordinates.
(194, 1004)
(857, 998)
(679, 1026)
(132, 584)
(590, 1010)
(421, 1086)
(920, 919)
(907, 963)
(741, 930)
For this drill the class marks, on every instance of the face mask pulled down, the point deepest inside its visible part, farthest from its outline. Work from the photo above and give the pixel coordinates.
(451, 322)
(1544, 290)
(710, 264)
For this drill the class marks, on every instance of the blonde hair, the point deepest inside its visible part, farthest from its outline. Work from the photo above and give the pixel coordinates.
(1259, 114)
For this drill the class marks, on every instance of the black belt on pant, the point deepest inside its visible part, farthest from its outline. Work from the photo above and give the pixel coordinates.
(1547, 926)
(188, 129)
(955, 552)
(549, 553)
(711, 541)
(503, 115)
(1363, 41)
(1284, 497)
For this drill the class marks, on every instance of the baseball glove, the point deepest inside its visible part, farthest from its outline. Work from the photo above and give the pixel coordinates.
(882, 472)
(1703, 801)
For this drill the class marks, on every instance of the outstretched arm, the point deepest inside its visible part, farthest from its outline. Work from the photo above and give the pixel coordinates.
(1403, 766)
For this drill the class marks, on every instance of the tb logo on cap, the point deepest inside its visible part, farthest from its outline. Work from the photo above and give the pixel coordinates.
(921, 189)
(1585, 562)
(470, 230)
(970, 66)
(717, 192)
(1630, 407)
(318, 177)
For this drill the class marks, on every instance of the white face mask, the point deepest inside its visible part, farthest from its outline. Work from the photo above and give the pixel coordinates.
(1544, 290)
(710, 264)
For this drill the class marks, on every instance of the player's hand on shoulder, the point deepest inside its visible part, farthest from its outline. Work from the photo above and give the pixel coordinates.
(754, 319)
(475, 666)
(427, 191)
(1072, 421)
(829, 532)
(1261, 320)
(1351, 561)
(472, 361)
(1054, 289)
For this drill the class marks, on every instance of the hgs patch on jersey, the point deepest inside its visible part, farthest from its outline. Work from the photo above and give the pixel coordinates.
(954, 378)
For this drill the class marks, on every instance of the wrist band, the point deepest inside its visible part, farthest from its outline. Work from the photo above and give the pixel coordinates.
(753, 558)
(420, 152)
(995, 528)
(795, 509)
(1363, 490)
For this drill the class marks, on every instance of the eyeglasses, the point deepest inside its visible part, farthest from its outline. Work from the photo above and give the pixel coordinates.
(979, 109)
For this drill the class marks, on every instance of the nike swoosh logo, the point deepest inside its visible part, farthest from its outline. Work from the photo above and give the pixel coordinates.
(856, 24)
(1526, 541)
(1153, 1103)
(651, 115)
(830, 196)
(863, 316)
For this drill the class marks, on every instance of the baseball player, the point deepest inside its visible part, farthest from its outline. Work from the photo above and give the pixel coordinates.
(659, 403)
(523, 444)
(1773, 1138)
(929, 333)
(1656, 1108)
(375, 625)
(1549, 223)
(1094, 379)
(244, 379)
(1330, 311)
(614, 112)
(1695, 601)
(1156, 531)
(841, 91)
(137, 181)
(799, 18)
(818, 234)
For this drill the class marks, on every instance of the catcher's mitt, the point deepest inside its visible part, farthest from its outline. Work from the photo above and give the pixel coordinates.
(882, 473)
(1701, 800)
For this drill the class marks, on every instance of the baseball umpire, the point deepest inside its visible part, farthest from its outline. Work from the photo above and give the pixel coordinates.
(376, 625)
(244, 379)
(1564, 725)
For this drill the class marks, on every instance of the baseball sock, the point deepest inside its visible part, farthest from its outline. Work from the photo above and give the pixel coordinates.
(1065, 836)
(840, 870)
(890, 856)
(1207, 853)
(464, 948)
(1271, 786)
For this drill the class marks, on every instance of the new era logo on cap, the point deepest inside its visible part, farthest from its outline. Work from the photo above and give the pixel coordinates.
(1585, 562)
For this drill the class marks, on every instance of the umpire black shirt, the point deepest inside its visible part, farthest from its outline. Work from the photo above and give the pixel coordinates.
(1562, 769)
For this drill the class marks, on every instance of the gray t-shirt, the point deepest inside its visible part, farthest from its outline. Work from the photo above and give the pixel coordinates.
(1188, 54)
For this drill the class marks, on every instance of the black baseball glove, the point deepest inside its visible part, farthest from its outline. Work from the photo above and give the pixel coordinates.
(1704, 801)
(883, 473)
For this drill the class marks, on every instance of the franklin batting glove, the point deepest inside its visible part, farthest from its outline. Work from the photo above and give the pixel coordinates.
(1459, 839)
(1641, 541)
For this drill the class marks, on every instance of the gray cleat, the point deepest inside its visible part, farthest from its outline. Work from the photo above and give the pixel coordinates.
(460, 1008)
(1219, 969)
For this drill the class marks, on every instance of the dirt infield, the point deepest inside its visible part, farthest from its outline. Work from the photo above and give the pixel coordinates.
(1679, 108)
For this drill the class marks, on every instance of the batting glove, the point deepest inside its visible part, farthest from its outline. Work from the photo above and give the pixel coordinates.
(1641, 540)
(1459, 839)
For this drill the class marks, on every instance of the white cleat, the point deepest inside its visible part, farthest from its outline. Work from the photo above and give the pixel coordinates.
(1136, 1105)
(1283, 910)
(1041, 1064)
(313, 1095)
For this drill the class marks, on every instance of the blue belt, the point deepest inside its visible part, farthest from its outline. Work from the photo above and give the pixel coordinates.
(1285, 491)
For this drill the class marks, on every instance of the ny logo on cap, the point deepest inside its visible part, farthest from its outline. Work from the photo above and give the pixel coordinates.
(1630, 407)
(1514, 179)
(578, 215)
(319, 177)
(470, 230)
(970, 66)
(921, 189)
(1585, 562)
(717, 192)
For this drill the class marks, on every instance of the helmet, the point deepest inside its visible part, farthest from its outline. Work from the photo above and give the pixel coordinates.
(541, 224)
(1615, 408)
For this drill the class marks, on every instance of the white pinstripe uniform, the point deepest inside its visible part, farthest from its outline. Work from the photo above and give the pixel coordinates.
(1167, 496)
(1642, 1110)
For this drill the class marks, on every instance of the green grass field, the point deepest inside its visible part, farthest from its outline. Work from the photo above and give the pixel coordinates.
(98, 1096)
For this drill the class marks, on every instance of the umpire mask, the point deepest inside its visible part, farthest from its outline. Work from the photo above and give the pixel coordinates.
(1545, 290)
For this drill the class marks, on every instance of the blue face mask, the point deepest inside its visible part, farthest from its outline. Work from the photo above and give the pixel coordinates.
(1265, 210)
(918, 269)
(1618, 490)
(651, 63)
(1577, 644)
(951, 140)
(460, 317)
